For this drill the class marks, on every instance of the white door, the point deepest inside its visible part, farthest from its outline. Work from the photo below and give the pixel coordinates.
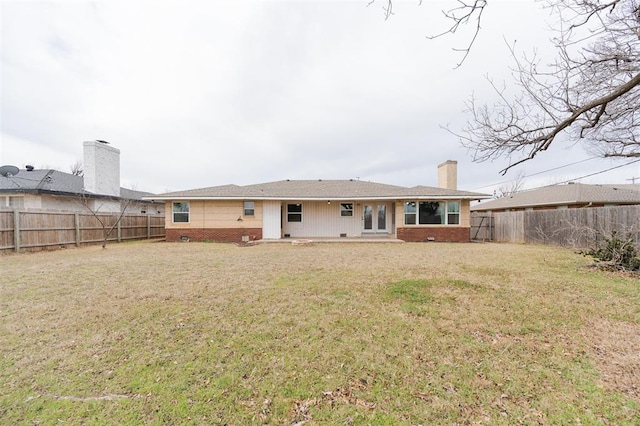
(374, 217)
(271, 220)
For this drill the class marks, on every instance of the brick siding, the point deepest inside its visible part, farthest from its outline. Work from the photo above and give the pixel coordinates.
(449, 234)
(223, 235)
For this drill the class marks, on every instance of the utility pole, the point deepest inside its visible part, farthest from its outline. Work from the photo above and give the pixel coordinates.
(633, 180)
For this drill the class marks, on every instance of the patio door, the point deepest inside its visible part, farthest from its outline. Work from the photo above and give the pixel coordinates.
(374, 218)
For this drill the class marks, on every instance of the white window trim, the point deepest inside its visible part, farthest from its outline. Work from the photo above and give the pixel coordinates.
(352, 210)
(445, 212)
(301, 212)
(173, 213)
(458, 213)
(244, 208)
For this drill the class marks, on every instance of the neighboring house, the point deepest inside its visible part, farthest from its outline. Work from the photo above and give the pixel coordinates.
(568, 196)
(321, 209)
(99, 189)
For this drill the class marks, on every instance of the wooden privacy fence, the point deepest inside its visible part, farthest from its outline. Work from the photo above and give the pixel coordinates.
(481, 227)
(40, 229)
(577, 228)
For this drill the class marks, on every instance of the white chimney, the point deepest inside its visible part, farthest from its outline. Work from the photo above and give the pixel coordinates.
(448, 175)
(101, 168)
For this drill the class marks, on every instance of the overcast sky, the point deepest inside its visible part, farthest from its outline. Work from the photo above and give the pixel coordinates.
(203, 93)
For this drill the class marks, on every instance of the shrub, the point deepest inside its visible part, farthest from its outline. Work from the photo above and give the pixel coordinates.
(616, 253)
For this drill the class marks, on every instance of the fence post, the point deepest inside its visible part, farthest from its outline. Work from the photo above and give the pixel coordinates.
(148, 226)
(76, 219)
(491, 228)
(16, 230)
(119, 228)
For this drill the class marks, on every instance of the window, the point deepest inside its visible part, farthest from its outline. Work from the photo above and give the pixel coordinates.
(432, 213)
(410, 213)
(249, 208)
(181, 212)
(346, 209)
(453, 213)
(294, 212)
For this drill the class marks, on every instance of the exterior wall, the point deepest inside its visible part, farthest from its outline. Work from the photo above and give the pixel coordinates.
(323, 219)
(224, 235)
(457, 234)
(465, 213)
(453, 233)
(216, 214)
(63, 203)
(148, 208)
(50, 202)
(75, 204)
(47, 202)
(212, 220)
(32, 201)
(224, 221)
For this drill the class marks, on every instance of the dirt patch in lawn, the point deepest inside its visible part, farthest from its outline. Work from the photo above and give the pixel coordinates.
(615, 347)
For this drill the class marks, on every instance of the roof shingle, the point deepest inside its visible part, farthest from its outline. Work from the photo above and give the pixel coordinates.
(55, 182)
(574, 193)
(319, 189)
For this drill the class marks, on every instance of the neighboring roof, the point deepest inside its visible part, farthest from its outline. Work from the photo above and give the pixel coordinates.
(557, 195)
(630, 186)
(49, 181)
(131, 194)
(318, 190)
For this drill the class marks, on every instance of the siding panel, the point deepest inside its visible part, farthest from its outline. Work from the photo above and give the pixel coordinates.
(322, 219)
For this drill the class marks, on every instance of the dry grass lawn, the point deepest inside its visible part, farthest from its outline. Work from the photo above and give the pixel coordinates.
(280, 334)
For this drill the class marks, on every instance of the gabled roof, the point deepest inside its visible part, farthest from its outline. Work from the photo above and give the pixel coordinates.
(49, 181)
(318, 190)
(558, 195)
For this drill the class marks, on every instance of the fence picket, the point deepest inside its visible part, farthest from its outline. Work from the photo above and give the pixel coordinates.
(577, 228)
(39, 229)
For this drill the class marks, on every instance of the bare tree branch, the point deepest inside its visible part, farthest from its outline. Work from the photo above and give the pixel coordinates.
(460, 16)
(102, 217)
(77, 168)
(512, 187)
(590, 93)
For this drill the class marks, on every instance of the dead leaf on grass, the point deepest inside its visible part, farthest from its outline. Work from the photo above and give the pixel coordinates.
(345, 395)
(615, 348)
(85, 398)
(301, 413)
(339, 396)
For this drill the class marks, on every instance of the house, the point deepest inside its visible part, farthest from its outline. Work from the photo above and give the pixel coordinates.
(321, 209)
(99, 189)
(568, 196)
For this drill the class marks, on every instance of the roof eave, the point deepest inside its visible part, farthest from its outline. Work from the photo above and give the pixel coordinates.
(531, 205)
(324, 198)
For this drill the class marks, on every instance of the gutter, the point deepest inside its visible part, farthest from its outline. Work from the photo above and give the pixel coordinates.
(341, 198)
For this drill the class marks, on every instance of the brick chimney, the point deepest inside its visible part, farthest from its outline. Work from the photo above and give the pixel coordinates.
(101, 168)
(448, 175)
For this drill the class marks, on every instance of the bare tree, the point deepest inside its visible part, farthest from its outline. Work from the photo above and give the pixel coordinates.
(77, 169)
(589, 93)
(512, 187)
(110, 219)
